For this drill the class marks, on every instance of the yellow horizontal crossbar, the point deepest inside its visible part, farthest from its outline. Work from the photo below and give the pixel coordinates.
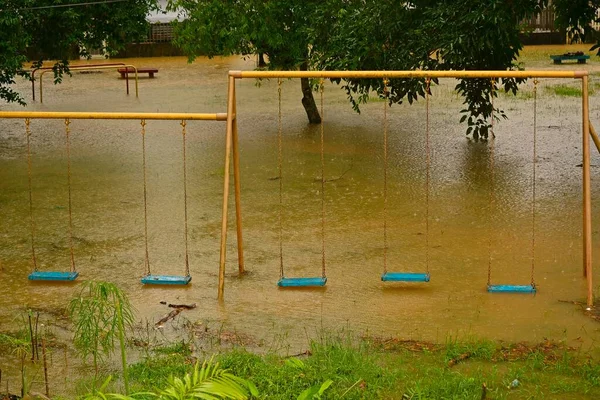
(114, 115)
(408, 74)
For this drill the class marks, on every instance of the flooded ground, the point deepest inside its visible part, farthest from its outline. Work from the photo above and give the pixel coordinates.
(108, 208)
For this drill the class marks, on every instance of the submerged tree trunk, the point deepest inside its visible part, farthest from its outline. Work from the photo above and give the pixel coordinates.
(261, 60)
(308, 101)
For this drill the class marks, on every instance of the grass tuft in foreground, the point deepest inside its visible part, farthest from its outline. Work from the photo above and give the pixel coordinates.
(372, 368)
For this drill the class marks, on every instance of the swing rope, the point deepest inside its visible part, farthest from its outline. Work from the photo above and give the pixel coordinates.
(492, 188)
(166, 279)
(385, 172)
(187, 264)
(513, 288)
(29, 173)
(321, 90)
(302, 281)
(428, 172)
(146, 257)
(406, 276)
(280, 162)
(68, 138)
(533, 196)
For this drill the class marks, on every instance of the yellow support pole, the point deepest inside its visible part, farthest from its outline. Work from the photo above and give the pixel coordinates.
(228, 140)
(237, 186)
(113, 115)
(91, 69)
(594, 135)
(587, 201)
(408, 74)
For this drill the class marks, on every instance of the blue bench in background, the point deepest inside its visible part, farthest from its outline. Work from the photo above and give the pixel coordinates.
(579, 57)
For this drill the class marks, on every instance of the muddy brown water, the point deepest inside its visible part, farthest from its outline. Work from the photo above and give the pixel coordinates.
(108, 209)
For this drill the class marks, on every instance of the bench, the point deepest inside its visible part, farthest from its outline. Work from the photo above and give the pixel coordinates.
(129, 70)
(579, 57)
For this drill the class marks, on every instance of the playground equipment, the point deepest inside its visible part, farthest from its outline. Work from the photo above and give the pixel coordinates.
(165, 279)
(232, 144)
(300, 281)
(68, 117)
(90, 69)
(531, 288)
(404, 276)
(38, 275)
(75, 67)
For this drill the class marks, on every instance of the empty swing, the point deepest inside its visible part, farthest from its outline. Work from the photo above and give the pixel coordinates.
(37, 275)
(507, 288)
(149, 278)
(316, 281)
(404, 276)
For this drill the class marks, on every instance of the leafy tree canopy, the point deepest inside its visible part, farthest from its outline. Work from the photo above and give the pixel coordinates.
(379, 35)
(38, 30)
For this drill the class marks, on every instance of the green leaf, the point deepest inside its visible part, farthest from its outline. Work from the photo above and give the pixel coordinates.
(325, 386)
(294, 363)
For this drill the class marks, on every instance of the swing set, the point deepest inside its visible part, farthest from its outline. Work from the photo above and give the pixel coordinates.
(401, 276)
(232, 151)
(72, 274)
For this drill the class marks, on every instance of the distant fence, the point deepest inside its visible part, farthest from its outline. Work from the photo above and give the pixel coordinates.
(544, 22)
(159, 33)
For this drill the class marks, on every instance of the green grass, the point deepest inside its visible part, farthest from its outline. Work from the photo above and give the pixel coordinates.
(570, 91)
(180, 348)
(386, 369)
(14, 341)
(565, 90)
(155, 370)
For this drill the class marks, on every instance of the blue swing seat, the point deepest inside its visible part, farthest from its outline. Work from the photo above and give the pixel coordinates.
(302, 282)
(405, 277)
(53, 276)
(511, 289)
(166, 280)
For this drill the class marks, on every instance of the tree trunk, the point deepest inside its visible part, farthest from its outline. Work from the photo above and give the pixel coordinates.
(261, 60)
(308, 101)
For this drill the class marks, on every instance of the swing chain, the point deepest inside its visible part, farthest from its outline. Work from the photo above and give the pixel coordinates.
(428, 171)
(533, 193)
(321, 91)
(279, 166)
(385, 171)
(146, 257)
(68, 138)
(29, 173)
(491, 198)
(185, 213)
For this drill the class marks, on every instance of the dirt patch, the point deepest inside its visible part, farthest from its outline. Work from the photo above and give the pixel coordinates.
(551, 351)
(395, 344)
(221, 337)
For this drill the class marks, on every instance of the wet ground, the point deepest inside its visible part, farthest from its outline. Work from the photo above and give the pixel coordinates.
(108, 208)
